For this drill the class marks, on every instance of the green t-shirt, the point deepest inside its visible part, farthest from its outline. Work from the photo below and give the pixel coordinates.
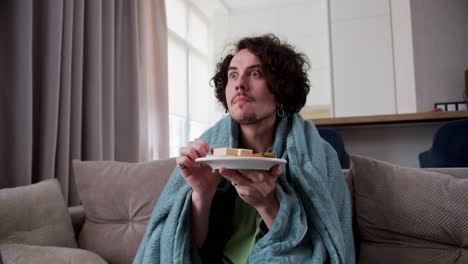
(246, 226)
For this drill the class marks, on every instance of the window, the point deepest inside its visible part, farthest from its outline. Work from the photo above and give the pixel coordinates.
(192, 105)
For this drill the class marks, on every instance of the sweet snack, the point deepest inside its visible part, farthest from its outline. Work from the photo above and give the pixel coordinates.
(231, 152)
(244, 152)
(264, 154)
(224, 152)
(241, 152)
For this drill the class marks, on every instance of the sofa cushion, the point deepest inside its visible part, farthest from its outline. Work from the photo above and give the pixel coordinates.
(410, 215)
(118, 199)
(27, 254)
(35, 214)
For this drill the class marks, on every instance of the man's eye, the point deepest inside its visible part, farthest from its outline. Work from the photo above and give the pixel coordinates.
(233, 75)
(255, 73)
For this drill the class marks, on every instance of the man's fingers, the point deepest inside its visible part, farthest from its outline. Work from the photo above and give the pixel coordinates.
(184, 162)
(262, 175)
(188, 152)
(254, 175)
(235, 177)
(276, 170)
(195, 149)
(202, 145)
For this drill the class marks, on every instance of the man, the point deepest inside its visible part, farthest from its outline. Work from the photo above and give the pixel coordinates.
(296, 213)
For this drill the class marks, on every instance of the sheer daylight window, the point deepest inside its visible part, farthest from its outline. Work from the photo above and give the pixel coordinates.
(190, 95)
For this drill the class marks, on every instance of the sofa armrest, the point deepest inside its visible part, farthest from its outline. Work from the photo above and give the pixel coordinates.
(78, 216)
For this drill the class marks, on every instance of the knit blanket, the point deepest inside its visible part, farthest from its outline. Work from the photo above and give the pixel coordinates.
(313, 224)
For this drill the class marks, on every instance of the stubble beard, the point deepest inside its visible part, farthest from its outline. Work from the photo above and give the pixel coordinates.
(252, 118)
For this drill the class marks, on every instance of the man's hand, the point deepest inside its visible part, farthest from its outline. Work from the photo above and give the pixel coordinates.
(203, 182)
(257, 187)
(199, 176)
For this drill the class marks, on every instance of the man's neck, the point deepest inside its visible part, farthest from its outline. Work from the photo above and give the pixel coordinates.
(258, 136)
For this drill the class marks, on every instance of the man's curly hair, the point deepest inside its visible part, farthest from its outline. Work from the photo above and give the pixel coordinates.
(285, 71)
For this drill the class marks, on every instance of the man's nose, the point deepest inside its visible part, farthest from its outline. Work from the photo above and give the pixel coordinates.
(241, 83)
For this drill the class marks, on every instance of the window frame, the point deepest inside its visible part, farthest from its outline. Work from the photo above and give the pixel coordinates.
(189, 48)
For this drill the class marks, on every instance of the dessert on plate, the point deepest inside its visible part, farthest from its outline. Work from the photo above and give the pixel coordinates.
(239, 152)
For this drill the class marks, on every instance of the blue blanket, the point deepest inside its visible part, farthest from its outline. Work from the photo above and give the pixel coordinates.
(314, 219)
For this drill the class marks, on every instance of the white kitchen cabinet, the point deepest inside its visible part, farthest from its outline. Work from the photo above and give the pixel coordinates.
(362, 58)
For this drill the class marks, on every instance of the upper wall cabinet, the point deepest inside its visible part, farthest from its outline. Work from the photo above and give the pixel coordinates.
(362, 58)
(345, 9)
(368, 57)
(372, 57)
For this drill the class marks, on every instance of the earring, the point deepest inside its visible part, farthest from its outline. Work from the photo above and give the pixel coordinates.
(280, 110)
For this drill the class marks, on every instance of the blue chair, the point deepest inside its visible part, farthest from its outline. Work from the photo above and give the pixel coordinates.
(449, 148)
(333, 137)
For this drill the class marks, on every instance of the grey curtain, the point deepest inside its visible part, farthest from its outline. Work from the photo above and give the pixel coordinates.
(80, 79)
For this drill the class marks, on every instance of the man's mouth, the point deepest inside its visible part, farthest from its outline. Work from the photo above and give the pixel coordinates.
(242, 99)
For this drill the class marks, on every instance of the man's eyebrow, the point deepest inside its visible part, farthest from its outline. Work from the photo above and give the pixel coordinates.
(249, 67)
(254, 66)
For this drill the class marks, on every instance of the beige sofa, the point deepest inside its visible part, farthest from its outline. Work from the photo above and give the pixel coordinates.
(401, 215)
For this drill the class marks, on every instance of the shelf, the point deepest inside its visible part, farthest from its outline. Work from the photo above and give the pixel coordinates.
(392, 119)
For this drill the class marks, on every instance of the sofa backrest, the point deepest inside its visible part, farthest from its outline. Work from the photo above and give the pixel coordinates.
(409, 215)
(118, 199)
(35, 214)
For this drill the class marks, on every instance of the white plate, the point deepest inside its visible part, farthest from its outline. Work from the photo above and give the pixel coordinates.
(238, 163)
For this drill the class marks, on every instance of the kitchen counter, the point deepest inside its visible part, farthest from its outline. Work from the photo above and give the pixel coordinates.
(394, 138)
(392, 119)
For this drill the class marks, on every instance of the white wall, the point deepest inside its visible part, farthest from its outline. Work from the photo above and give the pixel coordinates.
(440, 35)
(303, 24)
(397, 144)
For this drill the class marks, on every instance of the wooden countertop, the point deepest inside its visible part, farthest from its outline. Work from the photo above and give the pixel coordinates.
(391, 119)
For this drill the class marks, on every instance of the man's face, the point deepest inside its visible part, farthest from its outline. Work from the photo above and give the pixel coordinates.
(247, 95)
